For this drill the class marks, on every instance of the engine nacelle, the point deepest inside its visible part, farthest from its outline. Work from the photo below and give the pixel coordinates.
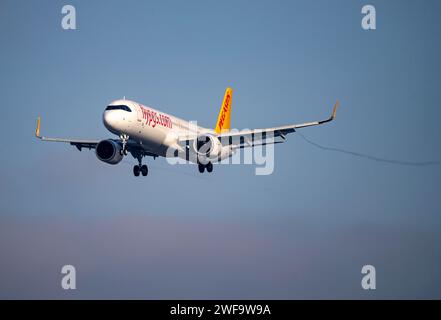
(207, 146)
(109, 151)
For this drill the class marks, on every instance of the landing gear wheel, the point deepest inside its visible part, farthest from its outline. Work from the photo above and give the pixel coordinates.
(144, 170)
(136, 171)
(201, 168)
(209, 167)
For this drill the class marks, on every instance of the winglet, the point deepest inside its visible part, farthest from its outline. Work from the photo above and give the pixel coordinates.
(37, 130)
(334, 113)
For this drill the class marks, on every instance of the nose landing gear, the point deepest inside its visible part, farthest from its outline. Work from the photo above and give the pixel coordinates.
(124, 138)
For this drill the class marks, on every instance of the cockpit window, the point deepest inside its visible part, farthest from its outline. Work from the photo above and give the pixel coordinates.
(121, 107)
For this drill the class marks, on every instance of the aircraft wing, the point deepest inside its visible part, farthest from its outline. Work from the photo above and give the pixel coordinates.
(251, 138)
(90, 144)
(258, 137)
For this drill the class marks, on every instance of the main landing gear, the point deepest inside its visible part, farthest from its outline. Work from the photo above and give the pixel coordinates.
(208, 166)
(141, 168)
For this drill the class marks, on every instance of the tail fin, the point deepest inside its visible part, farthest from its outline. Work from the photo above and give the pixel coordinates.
(224, 119)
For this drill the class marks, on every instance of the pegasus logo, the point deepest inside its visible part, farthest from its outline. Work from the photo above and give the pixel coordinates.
(152, 118)
(225, 108)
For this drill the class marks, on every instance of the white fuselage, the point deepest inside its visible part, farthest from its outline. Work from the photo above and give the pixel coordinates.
(157, 132)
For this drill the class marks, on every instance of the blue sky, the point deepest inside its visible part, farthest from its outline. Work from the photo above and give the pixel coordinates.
(303, 232)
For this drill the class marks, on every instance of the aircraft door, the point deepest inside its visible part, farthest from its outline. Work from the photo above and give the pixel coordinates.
(139, 113)
(140, 120)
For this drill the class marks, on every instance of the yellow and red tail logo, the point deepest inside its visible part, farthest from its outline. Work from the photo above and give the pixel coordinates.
(224, 119)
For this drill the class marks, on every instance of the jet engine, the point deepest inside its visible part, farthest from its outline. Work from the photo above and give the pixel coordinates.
(207, 146)
(109, 151)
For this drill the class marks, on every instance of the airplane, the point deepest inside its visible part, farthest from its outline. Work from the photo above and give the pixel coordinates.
(143, 131)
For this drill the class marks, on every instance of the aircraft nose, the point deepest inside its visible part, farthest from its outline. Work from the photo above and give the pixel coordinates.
(109, 119)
